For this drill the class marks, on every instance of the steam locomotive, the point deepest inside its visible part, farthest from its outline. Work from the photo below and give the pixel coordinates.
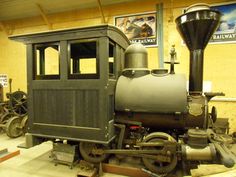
(119, 106)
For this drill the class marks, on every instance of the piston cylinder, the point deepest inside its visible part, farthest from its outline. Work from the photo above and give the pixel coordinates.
(207, 153)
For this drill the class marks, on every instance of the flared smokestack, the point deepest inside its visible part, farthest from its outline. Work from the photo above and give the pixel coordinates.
(196, 27)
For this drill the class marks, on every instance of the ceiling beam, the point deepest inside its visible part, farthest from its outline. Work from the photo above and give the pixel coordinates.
(44, 16)
(101, 11)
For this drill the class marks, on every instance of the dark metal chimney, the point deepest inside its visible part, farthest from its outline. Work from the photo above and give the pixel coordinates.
(196, 27)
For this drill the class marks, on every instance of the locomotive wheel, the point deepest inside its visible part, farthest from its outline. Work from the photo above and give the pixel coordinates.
(92, 152)
(157, 166)
(18, 102)
(5, 117)
(24, 124)
(13, 127)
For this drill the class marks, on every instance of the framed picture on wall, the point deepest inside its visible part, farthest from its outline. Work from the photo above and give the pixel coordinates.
(226, 32)
(139, 28)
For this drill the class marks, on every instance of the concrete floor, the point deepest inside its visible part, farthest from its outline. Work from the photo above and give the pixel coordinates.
(33, 162)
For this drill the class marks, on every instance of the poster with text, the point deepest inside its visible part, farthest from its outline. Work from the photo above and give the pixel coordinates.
(139, 28)
(226, 32)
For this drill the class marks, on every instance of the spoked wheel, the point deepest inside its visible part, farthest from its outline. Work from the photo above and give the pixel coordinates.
(93, 152)
(155, 165)
(24, 124)
(13, 127)
(18, 102)
(5, 117)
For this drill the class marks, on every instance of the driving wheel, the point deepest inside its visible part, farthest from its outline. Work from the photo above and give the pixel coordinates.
(93, 152)
(155, 165)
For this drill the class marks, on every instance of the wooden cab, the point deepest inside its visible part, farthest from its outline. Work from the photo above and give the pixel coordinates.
(71, 78)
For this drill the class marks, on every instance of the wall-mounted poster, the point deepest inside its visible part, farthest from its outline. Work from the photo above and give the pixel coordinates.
(226, 32)
(139, 28)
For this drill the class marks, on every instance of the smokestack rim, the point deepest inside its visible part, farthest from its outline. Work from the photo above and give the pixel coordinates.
(197, 7)
(199, 15)
(215, 15)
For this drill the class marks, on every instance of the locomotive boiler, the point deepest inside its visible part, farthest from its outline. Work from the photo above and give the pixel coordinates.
(119, 106)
